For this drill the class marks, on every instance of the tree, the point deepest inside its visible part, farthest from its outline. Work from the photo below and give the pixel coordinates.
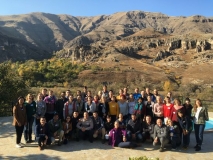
(11, 84)
(168, 86)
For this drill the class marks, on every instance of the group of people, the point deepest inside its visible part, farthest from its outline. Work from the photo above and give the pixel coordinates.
(120, 120)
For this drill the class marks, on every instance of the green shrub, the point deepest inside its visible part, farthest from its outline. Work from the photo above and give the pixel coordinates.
(142, 158)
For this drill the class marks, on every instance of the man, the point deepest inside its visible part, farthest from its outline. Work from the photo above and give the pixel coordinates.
(85, 126)
(75, 130)
(126, 93)
(98, 127)
(44, 93)
(155, 94)
(105, 92)
(56, 130)
(42, 133)
(84, 93)
(68, 93)
(161, 134)
(60, 105)
(134, 129)
(136, 95)
(148, 129)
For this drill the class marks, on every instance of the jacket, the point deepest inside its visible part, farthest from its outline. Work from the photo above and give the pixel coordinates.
(55, 126)
(134, 126)
(185, 123)
(203, 115)
(42, 130)
(116, 136)
(103, 107)
(161, 132)
(19, 115)
(66, 128)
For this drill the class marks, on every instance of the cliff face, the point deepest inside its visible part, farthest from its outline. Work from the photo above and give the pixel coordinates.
(49, 32)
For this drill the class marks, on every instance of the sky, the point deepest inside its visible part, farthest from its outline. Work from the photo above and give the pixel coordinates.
(100, 7)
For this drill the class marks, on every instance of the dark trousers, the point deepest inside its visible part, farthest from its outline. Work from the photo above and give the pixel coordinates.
(147, 135)
(127, 145)
(138, 136)
(42, 139)
(88, 134)
(28, 129)
(199, 129)
(19, 131)
(186, 139)
(113, 118)
(68, 135)
(175, 141)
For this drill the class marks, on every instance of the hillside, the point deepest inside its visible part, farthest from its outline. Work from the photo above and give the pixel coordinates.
(51, 32)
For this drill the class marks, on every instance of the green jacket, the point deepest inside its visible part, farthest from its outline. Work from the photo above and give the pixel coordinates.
(30, 109)
(203, 115)
(55, 126)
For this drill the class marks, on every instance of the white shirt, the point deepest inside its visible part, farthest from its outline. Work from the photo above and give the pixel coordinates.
(197, 115)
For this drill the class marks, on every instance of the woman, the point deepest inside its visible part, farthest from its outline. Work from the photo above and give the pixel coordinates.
(131, 106)
(113, 109)
(40, 108)
(158, 109)
(177, 106)
(186, 127)
(96, 101)
(103, 108)
(188, 108)
(149, 105)
(167, 109)
(110, 95)
(122, 122)
(50, 101)
(117, 137)
(90, 106)
(31, 114)
(174, 134)
(123, 107)
(19, 119)
(67, 128)
(69, 107)
(200, 115)
(138, 109)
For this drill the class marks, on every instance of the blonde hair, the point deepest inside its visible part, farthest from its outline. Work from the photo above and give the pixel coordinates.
(29, 95)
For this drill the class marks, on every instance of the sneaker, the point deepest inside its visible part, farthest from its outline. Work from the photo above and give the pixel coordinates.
(18, 146)
(161, 149)
(198, 148)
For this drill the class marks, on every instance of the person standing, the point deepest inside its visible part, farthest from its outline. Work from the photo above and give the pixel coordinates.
(60, 105)
(200, 115)
(31, 114)
(19, 119)
(113, 109)
(40, 108)
(50, 103)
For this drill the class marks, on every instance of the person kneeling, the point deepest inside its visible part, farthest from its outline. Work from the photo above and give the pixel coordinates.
(117, 137)
(98, 127)
(56, 129)
(67, 127)
(174, 133)
(148, 129)
(134, 129)
(42, 133)
(85, 126)
(161, 134)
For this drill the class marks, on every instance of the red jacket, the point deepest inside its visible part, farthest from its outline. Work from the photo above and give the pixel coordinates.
(167, 110)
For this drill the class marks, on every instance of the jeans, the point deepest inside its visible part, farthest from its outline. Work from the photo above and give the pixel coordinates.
(28, 129)
(186, 139)
(199, 129)
(19, 131)
(60, 135)
(138, 136)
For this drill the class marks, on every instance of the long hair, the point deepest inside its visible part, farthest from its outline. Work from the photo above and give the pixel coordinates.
(195, 106)
(27, 98)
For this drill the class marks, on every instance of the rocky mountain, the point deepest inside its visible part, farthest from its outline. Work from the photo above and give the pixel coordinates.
(41, 34)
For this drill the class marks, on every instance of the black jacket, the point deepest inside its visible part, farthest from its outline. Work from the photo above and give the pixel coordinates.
(42, 130)
(100, 109)
(134, 126)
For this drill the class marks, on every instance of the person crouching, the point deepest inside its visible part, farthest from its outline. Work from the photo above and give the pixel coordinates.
(42, 133)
